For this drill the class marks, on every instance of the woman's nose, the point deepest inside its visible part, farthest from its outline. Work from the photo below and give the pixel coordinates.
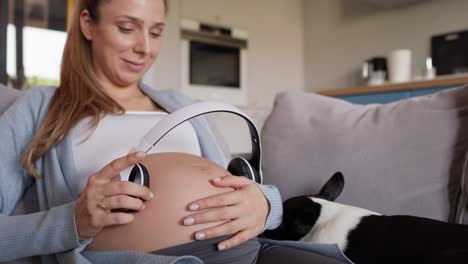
(142, 44)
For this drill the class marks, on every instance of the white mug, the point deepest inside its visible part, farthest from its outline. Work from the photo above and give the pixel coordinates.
(399, 66)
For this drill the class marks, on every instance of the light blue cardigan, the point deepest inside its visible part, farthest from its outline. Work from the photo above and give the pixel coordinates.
(48, 228)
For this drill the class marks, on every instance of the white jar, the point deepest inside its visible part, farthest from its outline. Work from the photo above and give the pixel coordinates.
(399, 66)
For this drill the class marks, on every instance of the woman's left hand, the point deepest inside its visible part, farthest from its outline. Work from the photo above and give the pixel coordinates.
(245, 210)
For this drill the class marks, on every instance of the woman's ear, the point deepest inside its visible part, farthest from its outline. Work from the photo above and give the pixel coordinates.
(86, 25)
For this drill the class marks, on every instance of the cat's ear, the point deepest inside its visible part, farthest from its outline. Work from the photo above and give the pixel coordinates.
(333, 187)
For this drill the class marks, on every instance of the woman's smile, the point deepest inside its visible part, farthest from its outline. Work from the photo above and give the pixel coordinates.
(134, 66)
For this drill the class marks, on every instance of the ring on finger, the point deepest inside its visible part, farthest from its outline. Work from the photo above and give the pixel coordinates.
(101, 204)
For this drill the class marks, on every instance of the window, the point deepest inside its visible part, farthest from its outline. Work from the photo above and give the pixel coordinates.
(35, 33)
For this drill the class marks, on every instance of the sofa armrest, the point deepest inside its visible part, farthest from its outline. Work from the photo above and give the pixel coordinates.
(461, 214)
(7, 97)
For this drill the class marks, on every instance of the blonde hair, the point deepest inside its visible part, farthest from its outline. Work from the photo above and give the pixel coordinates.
(79, 94)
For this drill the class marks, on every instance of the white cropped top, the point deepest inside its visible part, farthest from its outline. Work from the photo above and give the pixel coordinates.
(115, 136)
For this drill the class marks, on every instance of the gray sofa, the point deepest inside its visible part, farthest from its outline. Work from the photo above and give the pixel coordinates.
(406, 157)
(7, 97)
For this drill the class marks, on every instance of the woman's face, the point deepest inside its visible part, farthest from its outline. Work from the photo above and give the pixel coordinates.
(125, 40)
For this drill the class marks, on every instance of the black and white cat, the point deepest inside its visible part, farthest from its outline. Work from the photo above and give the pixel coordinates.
(369, 237)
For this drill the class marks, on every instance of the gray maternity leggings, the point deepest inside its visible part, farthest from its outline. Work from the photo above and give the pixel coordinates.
(249, 252)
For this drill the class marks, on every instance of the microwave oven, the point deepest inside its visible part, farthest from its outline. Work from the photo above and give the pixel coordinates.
(449, 52)
(214, 62)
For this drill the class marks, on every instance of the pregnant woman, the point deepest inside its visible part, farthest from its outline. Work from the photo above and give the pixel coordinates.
(63, 147)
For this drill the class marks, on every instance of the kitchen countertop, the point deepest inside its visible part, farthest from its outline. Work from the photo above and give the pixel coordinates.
(441, 81)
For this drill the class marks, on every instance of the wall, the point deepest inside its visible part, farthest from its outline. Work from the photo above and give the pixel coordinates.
(165, 73)
(275, 60)
(339, 36)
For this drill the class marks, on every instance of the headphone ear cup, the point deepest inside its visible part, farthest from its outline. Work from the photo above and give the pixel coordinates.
(139, 175)
(241, 167)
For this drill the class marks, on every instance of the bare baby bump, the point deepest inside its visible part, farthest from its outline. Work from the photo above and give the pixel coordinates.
(176, 179)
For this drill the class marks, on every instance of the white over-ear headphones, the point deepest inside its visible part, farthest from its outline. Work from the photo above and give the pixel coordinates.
(250, 168)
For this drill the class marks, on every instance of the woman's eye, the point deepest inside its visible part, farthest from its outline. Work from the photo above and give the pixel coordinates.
(155, 35)
(125, 30)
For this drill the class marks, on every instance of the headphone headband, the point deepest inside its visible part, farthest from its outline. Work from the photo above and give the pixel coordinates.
(160, 129)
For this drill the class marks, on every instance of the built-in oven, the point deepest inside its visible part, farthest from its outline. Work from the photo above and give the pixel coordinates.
(214, 62)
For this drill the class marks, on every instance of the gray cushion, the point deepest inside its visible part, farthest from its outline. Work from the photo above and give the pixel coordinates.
(7, 97)
(404, 157)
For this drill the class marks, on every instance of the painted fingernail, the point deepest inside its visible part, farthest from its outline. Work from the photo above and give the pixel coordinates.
(200, 235)
(194, 207)
(151, 195)
(221, 247)
(217, 179)
(189, 221)
(140, 154)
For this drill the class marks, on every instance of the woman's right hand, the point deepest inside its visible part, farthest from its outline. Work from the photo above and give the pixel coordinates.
(101, 190)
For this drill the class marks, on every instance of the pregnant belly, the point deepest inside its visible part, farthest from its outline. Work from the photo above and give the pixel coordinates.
(176, 179)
